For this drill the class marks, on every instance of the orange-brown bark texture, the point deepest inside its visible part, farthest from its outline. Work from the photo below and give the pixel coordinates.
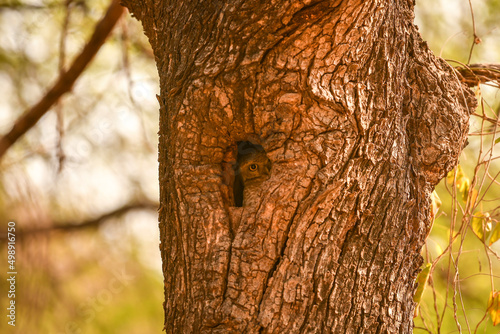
(360, 121)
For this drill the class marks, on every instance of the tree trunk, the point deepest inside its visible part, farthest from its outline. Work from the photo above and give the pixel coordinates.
(359, 120)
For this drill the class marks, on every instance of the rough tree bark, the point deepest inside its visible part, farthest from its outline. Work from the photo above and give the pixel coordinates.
(360, 121)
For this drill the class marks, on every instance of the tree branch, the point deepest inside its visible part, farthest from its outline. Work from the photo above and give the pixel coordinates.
(66, 80)
(91, 223)
(475, 74)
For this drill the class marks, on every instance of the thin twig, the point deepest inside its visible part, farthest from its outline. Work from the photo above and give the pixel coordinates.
(476, 40)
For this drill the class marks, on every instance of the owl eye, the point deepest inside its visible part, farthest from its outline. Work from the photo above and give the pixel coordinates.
(253, 167)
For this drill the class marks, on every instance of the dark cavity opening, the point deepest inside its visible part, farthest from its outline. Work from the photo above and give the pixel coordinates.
(245, 150)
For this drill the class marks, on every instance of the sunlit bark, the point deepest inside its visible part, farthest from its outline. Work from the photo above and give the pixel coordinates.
(360, 121)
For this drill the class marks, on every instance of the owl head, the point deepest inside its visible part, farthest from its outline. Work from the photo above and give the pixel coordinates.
(253, 163)
(255, 167)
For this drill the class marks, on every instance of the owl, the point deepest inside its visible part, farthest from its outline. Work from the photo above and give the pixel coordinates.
(253, 168)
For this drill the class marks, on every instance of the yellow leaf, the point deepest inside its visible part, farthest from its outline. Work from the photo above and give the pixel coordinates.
(481, 225)
(422, 278)
(462, 181)
(450, 177)
(464, 188)
(477, 225)
(473, 197)
(494, 307)
(460, 175)
(495, 235)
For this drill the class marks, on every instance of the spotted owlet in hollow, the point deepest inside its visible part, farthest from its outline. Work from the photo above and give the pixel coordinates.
(254, 167)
